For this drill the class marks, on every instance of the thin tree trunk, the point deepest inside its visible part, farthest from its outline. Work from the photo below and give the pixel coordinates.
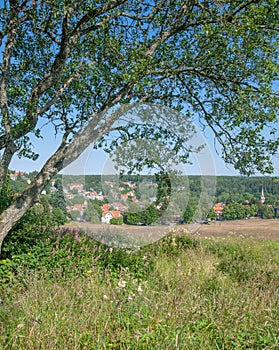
(16, 210)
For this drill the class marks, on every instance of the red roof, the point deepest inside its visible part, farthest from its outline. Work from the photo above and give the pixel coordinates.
(115, 213)
(218, 207)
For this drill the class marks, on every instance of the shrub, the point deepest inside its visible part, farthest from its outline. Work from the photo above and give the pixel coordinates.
(116, 221)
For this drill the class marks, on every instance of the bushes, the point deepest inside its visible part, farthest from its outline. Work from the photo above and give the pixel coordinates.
(116, 221)
(74, 253)
(240, 260)
(70, 251)
(70, 291)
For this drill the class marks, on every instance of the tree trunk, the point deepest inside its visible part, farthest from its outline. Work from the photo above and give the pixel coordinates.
(8, 219)
(30, 196)
(64, 155)
(16, 210)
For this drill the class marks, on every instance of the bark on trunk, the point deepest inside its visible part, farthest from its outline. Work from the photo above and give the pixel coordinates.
(15, 211)
(64, 155)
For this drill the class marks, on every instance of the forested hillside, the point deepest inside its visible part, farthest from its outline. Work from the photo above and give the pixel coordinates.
(228, 188)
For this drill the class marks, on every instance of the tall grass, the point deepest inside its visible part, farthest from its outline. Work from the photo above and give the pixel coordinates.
(180, 293)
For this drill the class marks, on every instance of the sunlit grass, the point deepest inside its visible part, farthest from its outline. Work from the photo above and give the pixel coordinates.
(199, 294)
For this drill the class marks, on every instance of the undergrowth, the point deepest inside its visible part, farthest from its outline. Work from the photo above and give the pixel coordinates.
(62, 290)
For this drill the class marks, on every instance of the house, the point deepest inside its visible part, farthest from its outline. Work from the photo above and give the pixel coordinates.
(77, 207)
(107, 216)
(14, 175)
(218, 209)
(128, 195)
(118, 206)
(131, 185)
(75, 186)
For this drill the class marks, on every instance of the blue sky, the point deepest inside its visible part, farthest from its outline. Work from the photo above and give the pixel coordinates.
(96, 161)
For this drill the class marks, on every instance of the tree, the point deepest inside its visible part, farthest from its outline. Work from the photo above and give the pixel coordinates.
(132, 218)
(147, 216)
(116, 221)
(72, 63)
(189, 213)
(150, 215)
(93, 213)
(211, 215)
(267, 211)
(234, 211)
(59, 217)
(57, 199)
(5, 194)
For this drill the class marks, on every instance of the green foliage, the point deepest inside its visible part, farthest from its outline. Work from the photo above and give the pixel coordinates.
(189, 214)
(150, 215)
(116, 221)
(93, 213)
(59, 217)
(241, 189)
(40, 215)
(6, 194)
(181, 292)
(57, 199)
(19, 185)
(243, 262)
(67, 250)
(76, 200)
(173, 245)
(190, 211)
(267, 211)
(216, 60)
(132, 218)
(211, 214)
(234, 211)
(144, 217)
(74, 215)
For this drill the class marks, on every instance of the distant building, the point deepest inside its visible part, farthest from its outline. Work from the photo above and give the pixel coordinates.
(75, 186)
(80, 208)
(262, 197)
(218, 209)
(13, 176)
(108, 214)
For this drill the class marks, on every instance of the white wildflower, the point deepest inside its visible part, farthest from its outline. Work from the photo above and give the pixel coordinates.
(122, 284)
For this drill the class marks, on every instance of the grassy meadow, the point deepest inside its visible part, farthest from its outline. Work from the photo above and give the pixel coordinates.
(66, 291)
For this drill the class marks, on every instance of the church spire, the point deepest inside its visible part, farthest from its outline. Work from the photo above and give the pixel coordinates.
(262, 198)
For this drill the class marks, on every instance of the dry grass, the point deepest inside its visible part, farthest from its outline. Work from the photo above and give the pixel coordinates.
(140, 235)
(217, 294)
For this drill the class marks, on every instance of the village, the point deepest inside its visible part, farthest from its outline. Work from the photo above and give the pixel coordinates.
(110, 210)
(108, 202)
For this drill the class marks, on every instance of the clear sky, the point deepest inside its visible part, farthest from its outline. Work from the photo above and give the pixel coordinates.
(96, 161)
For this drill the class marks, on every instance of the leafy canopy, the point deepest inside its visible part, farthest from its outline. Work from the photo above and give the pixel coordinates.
(67, 61)
(71, 64)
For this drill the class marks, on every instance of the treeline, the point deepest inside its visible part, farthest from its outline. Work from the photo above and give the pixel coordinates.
(226, 189)
(194, 195)
(240, 189)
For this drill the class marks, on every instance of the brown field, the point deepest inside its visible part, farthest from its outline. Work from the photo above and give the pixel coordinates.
(131, 235)
(257, 228)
